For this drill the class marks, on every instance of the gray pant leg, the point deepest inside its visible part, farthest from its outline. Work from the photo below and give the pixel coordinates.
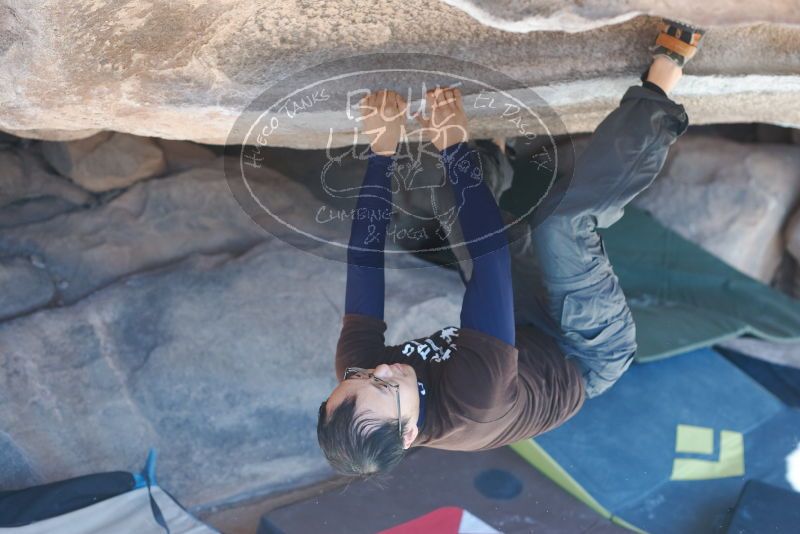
(571, 288)
(563, 281)
(623, 157)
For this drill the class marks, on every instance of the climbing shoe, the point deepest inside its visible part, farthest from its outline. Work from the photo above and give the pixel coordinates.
(677, 41)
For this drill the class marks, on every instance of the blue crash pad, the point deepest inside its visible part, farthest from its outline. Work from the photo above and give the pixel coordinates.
(669, 447)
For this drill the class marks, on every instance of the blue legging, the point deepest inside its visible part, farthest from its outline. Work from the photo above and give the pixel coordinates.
(488, 304)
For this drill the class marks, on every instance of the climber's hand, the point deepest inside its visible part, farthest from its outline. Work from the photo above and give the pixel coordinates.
(446, 121)
(383, 114)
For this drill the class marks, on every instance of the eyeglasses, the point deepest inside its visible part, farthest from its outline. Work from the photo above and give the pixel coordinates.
(358, 372)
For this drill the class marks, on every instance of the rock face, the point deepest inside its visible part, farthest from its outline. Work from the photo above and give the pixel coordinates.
(164, 316)
(731, 198)
(151, 224)
(26, 177)
(182, 155)
(574, 16)
(187, 71)
(787, 354)
(219, 355)
(108, 160)
(793, 236)
(23, 287)
(220, 362)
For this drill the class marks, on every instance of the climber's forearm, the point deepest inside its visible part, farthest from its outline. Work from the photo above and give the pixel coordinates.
(488, 304)
(479, 215)
(365, 257)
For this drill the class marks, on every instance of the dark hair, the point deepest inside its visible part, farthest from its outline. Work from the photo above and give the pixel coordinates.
(359, 446)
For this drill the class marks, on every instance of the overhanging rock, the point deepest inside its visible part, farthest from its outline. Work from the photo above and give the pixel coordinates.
(187, 71)
(576, 16)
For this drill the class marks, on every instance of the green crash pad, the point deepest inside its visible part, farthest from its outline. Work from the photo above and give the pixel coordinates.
(683, 298)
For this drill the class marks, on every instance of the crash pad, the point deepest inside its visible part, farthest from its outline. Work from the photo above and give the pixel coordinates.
(445, 520)
(442, 491)
(766, 508)
(683, 297)
(782, 381)
(669, 447)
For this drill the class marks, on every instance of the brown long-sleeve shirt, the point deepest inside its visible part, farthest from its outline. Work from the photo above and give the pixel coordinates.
(481, 393)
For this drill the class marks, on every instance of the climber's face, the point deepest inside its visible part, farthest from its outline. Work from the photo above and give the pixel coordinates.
(378, 398)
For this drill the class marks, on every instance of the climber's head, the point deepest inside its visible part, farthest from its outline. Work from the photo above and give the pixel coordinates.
(357, 427)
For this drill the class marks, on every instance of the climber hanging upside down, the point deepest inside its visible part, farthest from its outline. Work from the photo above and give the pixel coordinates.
(522, 361)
